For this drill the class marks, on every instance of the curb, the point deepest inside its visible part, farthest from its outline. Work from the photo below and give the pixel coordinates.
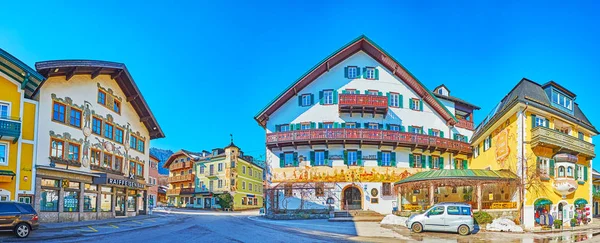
(93, 223)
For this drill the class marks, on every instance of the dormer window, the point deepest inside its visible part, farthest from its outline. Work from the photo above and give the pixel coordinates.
(440, 91)
(562, 100)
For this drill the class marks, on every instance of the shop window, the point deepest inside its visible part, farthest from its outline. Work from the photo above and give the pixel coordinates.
(89, 202)
(90, 187)
(71, 201)
(49, 200)
(243, 200)
(73, 185)
(131, 203)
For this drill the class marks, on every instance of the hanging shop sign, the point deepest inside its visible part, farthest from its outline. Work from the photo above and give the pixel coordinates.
(109, 179)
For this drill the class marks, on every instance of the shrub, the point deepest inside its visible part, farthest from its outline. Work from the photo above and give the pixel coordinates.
(558, 223)
(482, 218)
(225, 200)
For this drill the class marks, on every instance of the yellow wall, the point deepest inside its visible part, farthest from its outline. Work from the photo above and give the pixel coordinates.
(28, 125)
(26, 167)
(9, 92)
(257, 181)
(495, 158)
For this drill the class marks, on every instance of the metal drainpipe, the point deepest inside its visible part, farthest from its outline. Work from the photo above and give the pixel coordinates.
(523, 165)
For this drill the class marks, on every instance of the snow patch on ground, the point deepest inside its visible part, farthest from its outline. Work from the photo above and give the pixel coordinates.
(394, 220)
(503, 225)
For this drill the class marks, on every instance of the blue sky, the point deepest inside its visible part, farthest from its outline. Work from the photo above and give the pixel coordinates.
(207, 68)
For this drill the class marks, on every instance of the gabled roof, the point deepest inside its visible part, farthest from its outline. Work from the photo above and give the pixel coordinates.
(20, 72)
(118, 72)
(532, 93)
(362, 43)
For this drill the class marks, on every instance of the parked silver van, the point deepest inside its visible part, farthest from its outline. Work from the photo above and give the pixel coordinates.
(449, 217)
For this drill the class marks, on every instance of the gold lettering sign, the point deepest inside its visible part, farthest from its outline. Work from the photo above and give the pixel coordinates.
(502, 149)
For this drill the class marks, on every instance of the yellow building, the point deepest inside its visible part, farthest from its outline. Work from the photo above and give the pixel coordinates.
(596, 193)
(17, 128)
(197, 179)
(540, 134)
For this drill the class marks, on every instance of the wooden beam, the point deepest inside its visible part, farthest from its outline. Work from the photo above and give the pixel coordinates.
(132, 98)
(145, 119)
(328, 66)
(70, 73)
(116, 74)
(96, 72)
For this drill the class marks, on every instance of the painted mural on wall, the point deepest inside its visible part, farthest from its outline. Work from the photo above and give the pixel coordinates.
(338, 174)
(502, 137)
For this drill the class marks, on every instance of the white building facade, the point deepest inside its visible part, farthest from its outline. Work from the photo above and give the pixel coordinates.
(352, 126)
(93, 142)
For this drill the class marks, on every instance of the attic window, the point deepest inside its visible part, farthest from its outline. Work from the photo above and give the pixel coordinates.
(440, 91)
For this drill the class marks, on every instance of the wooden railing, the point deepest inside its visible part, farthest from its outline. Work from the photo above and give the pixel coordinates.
(462, 123)
(180, 178)
(348, 134)
(410, 207)
(180, 165)
(548, 137)
(10, 127)
(499, 205)
(363, 100)
(180, 191)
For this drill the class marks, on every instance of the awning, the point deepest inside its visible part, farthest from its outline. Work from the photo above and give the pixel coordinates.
(444, 175)
(581, 201)
(6, 175)
(542, 202)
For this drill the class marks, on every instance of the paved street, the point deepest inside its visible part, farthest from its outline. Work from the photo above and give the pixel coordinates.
(204, 226)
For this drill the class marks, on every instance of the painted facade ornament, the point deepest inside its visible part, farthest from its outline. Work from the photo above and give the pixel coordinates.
(85, 159)
(110, 92)
(342, 174)
(126, 145)
(65, 136)
(565, 186)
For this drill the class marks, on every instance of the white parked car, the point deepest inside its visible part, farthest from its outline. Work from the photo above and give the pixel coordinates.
(448, 217)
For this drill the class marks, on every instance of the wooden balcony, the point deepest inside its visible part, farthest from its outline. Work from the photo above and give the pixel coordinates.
(178, 166)
(363, 104)
(10, 128)
(465, 124)
(366, 137)
(180, 178)
(183, 191)
(546, 137)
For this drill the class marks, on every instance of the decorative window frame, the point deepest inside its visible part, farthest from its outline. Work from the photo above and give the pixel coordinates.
(7, 153)
(110, 98)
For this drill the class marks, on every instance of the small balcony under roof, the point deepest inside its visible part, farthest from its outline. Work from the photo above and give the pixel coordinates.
(560, 142)
(10, 128)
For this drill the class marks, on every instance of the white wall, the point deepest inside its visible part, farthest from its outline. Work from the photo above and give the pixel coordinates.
(81, 88)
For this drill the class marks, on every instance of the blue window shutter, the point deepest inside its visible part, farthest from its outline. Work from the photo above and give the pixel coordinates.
(359, 158)
(393, 159)
(277, 128)
(281, 160)
(344, 91)
(312, 158)
(387, 127)
(380, 126)
(401, 98)
(379, 158)
(357, 125)
(366, 91)
(343, 125)
(295, 159)
(335, 97)
(421, 105)
(312, 99)
(345, 72)
(336, 125)
(300, 100)
(376, 74)
(366, 125)
(321, 97)
(532, 121)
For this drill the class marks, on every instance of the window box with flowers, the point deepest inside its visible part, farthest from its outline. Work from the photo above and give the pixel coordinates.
(58, 160)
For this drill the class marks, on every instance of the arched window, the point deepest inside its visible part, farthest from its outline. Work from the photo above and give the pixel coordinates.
(561, 171)
(570, 171)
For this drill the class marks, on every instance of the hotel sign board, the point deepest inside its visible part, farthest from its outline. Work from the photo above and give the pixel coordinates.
(502, 149)
(109, 179)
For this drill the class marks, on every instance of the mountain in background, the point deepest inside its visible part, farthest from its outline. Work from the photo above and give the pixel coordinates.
(162, 155)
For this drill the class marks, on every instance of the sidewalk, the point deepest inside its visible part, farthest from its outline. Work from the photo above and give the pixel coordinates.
(594, 225)
(191, 211)
(69, 225)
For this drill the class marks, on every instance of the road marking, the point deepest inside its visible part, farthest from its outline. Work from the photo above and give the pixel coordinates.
(253, 218)
(135, 221)
(95, 230)
(114, 226)
(151, 220)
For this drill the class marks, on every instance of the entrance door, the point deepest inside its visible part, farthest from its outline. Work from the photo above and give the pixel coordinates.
(207, 202)
(352, 198)
(596, 209)
(120, 206)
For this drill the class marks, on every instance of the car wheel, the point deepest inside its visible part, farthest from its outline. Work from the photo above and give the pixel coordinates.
(463, 230)
(417, 227)
(22, 230)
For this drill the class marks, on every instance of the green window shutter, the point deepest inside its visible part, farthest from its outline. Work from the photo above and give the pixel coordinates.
(320, 125)
(359, 158)
(312, 158)
(336, 125)
(430, 132)
(344, 91)
(389, 98)
(490, 141)
(298, 126)
(346, 157)
(326, 155)
(454, 137)
(465, 165)
(421, 105)
(312, 99)
(455, 165)
(393, 159)
(400, 97)
(576, 172)
(441, 163)
(357, 125)
(410, 129)
(380, 93)
(366, 125)
(411, 161)
(466, 139)
(532, 121)
(547, 123)
(345, 72)
(335, 97)
(552, 167)
(423, 161)
(401, 128)
(387, 126)
(585, 173)
(277, 128)
(295, 159)
(441, 134)
(379, 158)
(357, 72)
(343, 125)
(366, 91)
(281, 160)
(376, 74)
(430, 162)
(313, 125)
(292, 127)
(380, 126)
(321, 98)
(478, 148)
(364, 72)
(300, 100)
